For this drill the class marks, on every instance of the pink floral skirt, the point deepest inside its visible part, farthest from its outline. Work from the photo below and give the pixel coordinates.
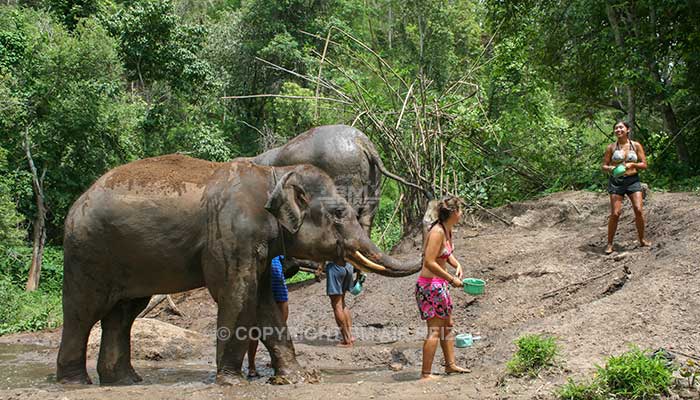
(433, 298)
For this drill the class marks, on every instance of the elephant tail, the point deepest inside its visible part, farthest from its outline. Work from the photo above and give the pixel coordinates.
(373, 158)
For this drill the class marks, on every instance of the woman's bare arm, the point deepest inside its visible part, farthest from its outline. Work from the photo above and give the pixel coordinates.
(642, 164)
(607, 159)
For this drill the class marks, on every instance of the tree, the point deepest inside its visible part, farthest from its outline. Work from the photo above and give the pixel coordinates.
(626, 56)
(71, 118)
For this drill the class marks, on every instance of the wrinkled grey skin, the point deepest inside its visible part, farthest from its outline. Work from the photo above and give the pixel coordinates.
(165, 232)
(347, 156)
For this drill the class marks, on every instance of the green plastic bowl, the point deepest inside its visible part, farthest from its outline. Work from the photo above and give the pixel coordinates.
(619, 171)
(464, 340)
(474, 286)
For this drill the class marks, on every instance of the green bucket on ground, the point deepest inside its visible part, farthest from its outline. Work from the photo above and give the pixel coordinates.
(474, 286)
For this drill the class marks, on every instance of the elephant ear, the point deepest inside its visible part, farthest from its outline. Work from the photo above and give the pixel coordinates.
(288, 202)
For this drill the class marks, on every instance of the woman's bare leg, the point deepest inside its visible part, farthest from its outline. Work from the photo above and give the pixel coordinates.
(434, 326)
(637, 205)
(615, 211)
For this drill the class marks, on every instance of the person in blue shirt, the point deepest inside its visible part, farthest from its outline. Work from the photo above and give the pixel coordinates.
(281, 295)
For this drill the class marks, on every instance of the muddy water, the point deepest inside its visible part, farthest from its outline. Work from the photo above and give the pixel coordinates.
(379, 375)
(20, 367)
(32, 366)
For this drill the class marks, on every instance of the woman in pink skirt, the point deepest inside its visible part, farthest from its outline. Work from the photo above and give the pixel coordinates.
(432, 290)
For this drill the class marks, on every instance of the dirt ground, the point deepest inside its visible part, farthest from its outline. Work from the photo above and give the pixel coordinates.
(545, 273)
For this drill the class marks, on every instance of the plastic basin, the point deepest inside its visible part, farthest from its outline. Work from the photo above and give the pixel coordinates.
(474, 286)
(464, 340)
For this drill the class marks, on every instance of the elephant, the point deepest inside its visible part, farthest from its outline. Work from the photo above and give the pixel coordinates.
(347, 156)
(174, 223)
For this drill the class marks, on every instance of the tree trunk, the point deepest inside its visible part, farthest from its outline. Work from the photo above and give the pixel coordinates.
(620, 42)
(671, 126)
(39, 227)
(39, 233)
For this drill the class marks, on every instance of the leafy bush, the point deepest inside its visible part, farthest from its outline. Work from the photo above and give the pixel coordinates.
(635, 375)
(27, 311)
(581, 391)
(535, 352)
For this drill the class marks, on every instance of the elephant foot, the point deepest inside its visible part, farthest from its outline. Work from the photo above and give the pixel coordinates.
(124, 376)
(231, 379)
(288, 377)
(78, 379)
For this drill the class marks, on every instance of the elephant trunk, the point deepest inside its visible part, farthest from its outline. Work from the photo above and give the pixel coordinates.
(370, 258)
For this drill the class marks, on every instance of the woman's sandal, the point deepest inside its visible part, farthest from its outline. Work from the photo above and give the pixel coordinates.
(454, 369)
(253, 374)
(427, 376)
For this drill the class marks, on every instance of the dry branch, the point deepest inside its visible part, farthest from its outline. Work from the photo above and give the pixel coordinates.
(555, 291)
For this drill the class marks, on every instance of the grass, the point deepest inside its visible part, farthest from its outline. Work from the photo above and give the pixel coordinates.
(633, 375)
(535, 352)
(581, 391)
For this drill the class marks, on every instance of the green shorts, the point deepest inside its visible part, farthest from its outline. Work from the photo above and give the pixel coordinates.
(624, 185)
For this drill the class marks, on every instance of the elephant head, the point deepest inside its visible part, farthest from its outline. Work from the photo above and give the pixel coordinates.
(320, 225)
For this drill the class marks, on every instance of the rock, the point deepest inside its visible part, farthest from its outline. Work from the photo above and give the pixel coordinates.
(396, 366)
(155, 340)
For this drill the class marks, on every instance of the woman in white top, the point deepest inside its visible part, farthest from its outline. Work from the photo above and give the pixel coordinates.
(627, 156)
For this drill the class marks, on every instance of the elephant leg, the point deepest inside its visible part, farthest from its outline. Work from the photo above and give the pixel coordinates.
(77, 323)
(114, 361)
(237, 301)
(275, 334)
(83, 305)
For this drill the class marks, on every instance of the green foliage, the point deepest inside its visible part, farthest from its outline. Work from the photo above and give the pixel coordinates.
(29, 311)
(383, 224)
(10, 234)
(581, 391)
(631, 375)
(635, 375)
(292, 116)
(534, 353)
(15, 262)
(156, 45)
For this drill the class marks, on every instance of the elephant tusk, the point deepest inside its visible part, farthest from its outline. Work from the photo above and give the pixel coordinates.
(357, 265)
(368, 263)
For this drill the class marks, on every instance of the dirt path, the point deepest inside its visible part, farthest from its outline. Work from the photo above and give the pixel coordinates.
(646, 296)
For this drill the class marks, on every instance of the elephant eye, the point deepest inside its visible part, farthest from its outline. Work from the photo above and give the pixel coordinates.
(339, 213)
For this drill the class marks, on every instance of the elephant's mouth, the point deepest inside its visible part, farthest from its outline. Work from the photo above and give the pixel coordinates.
(364, 264)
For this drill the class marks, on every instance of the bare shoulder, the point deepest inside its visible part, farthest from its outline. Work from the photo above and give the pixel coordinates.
(436, 233)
